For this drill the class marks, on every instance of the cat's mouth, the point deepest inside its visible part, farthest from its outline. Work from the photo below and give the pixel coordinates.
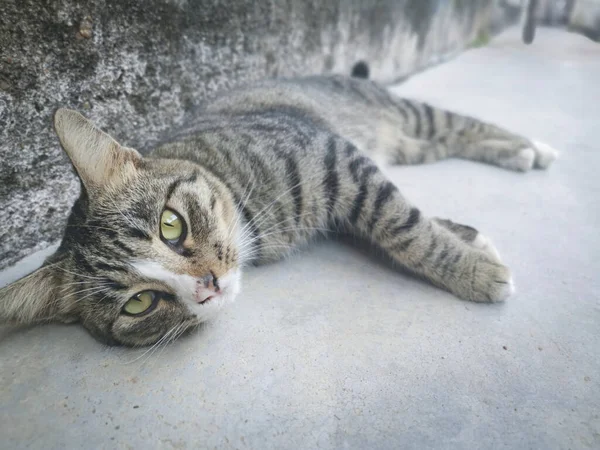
(204, 296)
(206, 300)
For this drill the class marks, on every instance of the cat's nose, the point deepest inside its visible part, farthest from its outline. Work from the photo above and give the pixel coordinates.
(211, 282)
(207, 287)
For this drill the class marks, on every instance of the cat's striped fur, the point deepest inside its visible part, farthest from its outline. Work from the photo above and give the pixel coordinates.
(260, 171)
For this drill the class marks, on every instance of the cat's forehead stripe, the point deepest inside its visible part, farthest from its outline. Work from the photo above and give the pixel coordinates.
(175, 184)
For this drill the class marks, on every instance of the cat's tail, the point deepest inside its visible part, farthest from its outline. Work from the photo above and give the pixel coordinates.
(360, 70)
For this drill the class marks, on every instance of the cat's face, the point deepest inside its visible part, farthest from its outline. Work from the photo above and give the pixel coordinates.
(150, 250)
(153, 256)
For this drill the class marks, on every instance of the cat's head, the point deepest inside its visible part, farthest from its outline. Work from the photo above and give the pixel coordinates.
(150, 248)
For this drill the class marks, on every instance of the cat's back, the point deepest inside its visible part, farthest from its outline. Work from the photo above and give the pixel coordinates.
(315, 94)
(348, 107)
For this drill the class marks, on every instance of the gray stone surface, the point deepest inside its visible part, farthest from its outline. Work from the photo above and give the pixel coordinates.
(138, 67)
(332, 349)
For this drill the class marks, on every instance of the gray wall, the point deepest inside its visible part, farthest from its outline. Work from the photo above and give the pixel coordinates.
(137, 68)
(585, 18)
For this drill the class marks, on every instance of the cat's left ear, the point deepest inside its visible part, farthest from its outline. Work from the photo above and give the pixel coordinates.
(99, 160)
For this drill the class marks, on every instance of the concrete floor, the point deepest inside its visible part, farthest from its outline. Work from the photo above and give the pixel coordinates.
(332, 349)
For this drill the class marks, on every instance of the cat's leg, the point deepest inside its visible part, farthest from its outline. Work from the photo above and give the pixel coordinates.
(430, 134)
(471, 270)
(447, 254)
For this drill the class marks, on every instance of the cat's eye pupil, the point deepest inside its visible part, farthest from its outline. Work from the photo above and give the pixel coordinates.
(171, 226)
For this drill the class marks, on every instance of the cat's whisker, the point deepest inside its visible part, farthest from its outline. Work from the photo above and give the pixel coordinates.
(152, 347)
(102, 299)
(247, 250)
(241, 205)
(259, 215)
(251, 251)
(233, 223)
(90, 294)
(74, 283)
(175, 336)
(172, 337)
(80, 274)
(75, 294)
(275, 225)
(289, 219)
(263, 235)
(262, 213)
(70, 294)
(267, 247)
(127, 218)
(164, 342)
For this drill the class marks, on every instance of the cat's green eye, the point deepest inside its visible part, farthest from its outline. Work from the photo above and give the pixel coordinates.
(172, 227)
(139, 303)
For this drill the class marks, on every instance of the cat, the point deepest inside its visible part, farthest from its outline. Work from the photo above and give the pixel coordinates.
(155, 244)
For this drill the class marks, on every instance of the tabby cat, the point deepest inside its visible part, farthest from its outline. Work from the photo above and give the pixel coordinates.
(155, 244)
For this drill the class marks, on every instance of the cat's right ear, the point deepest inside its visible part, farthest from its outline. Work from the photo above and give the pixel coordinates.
(100, 161)
(34, 298)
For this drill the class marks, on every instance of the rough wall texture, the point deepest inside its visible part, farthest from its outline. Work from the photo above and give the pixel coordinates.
(137, 68)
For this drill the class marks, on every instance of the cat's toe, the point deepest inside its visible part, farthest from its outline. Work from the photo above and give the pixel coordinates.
(504, 288)
(545, 155)
(491, 282)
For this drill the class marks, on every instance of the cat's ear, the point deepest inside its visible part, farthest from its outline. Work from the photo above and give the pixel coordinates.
(34, 298)
(99, 160)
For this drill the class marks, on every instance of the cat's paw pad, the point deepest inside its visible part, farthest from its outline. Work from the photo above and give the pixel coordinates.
(485, 244)
(544, 155)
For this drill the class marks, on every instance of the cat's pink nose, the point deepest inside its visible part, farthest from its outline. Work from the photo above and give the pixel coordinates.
(206, 288)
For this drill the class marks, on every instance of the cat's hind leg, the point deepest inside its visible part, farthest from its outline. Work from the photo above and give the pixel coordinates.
(430, 134)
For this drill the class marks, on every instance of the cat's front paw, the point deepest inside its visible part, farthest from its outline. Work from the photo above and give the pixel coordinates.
(488, 281)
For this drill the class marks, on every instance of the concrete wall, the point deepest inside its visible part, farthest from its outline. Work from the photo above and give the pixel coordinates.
(579, 16)
(585, 18)
(137, 68)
